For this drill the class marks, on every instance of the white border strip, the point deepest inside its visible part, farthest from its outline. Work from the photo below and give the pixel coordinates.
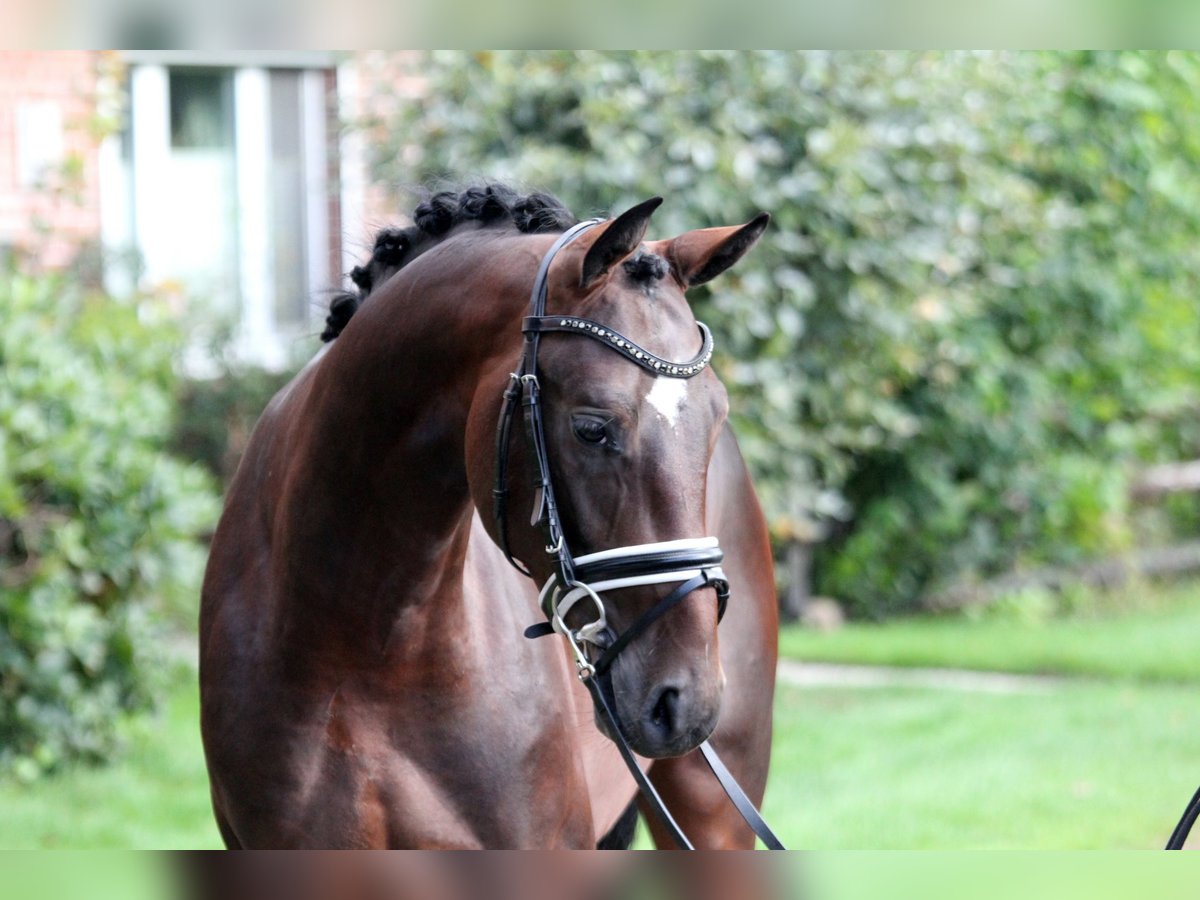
(704, 543)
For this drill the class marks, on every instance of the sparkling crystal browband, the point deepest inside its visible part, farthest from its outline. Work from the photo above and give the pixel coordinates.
(624, 346)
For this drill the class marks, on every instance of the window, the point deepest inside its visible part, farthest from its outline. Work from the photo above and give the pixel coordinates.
(201, 109)
(222, 178)
(39, 126)
(288, 198)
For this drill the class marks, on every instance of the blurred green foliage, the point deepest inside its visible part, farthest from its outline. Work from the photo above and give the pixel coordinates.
(216, 416)
(973, 314)
(98, 525)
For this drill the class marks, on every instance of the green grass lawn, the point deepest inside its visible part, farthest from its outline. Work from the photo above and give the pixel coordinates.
(155, 797)
(1082, 766)
(1106, 761)
(1086, 765)
(1160, 641)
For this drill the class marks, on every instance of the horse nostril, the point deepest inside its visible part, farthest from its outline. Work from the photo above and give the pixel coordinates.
(664, 716)
(675, 719)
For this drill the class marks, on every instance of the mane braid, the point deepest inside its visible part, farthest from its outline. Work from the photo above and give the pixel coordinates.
(433, 220)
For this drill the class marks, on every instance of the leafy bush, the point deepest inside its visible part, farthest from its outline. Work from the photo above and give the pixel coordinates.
(98, 525)
(215, 416)
(974, 310)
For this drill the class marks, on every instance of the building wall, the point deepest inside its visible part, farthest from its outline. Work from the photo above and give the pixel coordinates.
(55, 101)
(236, 150)
(372, 85)
(48, 106)
(63, 112)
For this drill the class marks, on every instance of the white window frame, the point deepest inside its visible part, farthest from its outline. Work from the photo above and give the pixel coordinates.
(128, 219)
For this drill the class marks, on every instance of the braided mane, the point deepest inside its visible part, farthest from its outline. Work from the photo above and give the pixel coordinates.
(437, 218)
(433, 220)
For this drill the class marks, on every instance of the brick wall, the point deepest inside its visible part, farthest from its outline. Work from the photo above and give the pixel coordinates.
(51, 221)
(383, 82)
(47, 103)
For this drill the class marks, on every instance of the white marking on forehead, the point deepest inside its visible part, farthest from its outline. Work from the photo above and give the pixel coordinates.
(667, 397)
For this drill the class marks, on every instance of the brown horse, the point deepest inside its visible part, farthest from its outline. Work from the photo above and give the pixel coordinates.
(364, 679)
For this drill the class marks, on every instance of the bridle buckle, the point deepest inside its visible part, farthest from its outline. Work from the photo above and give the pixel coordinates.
(585, 633)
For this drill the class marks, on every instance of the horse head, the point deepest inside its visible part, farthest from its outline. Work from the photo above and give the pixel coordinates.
(628, 447)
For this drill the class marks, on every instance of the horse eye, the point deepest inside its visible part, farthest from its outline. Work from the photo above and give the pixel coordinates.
(591, 430)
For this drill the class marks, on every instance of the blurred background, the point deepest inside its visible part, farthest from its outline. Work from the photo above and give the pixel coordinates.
(964, 365)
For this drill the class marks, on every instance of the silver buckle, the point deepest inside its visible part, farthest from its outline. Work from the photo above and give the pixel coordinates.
(586, 633)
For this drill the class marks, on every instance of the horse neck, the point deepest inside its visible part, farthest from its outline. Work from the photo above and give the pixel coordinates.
(386, 506)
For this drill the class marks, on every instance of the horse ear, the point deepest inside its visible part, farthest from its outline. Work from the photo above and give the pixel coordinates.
(700, 256)
(616, 240)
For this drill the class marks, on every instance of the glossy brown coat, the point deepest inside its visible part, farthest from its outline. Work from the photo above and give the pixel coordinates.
(364, 678)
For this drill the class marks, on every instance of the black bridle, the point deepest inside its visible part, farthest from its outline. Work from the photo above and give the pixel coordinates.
(689, 563)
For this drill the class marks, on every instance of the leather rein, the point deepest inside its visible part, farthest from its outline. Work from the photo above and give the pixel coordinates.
(690, 563)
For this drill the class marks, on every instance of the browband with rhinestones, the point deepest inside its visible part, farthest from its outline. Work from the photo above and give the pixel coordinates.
(623, 345)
